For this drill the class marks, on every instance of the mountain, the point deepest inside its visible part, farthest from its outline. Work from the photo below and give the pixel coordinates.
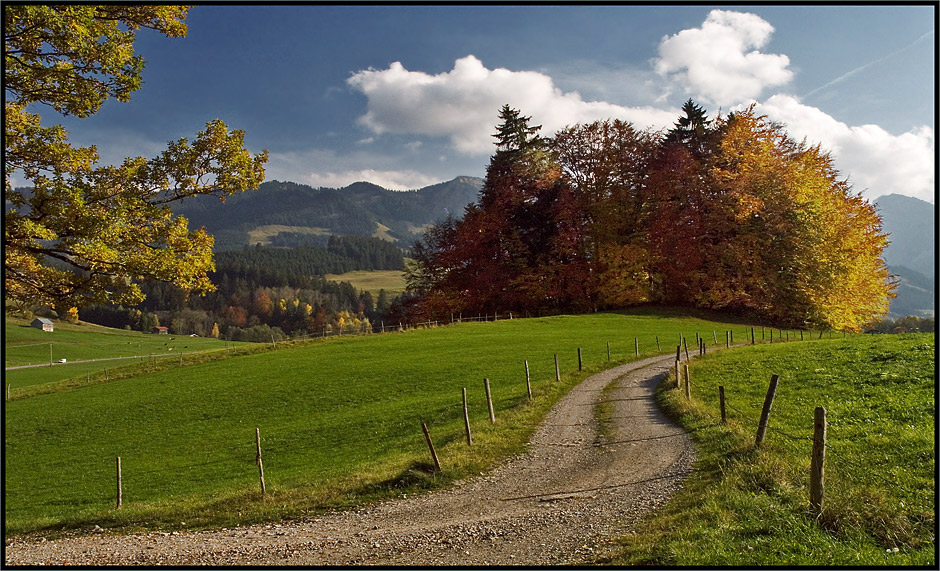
(290, 214)
(911, 225)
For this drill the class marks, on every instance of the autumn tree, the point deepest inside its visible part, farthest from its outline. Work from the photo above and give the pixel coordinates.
(82, 233)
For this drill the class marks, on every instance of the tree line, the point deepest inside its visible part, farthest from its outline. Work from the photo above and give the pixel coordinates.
(729, 213)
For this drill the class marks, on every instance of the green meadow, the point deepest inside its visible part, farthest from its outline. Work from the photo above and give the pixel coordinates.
(339, 418)
(748, 506)
(88, 350)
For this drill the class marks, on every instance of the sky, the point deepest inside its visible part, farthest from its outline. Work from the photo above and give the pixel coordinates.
(408, 96)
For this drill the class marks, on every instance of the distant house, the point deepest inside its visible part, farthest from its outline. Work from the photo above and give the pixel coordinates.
(160, 330)
(42, 323)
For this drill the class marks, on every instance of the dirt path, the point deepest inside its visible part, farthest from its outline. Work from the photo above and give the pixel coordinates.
(561, 502)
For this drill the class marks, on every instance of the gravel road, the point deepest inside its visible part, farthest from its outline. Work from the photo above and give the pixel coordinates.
(562, 501)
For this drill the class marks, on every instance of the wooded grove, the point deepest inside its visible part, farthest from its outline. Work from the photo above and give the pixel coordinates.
(729, 213)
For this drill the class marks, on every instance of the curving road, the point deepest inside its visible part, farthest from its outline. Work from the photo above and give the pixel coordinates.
(563, 501)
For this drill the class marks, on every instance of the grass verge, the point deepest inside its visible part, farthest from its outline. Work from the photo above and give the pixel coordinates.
(748, 506)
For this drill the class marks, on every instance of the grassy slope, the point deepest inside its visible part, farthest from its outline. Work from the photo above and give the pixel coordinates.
(24, 345)
(747, 507)
(339, 419)
(392, 281)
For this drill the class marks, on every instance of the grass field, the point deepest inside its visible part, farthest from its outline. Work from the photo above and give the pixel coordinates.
(749, 507)
(392, 281)
(25, 345)
(340, 421)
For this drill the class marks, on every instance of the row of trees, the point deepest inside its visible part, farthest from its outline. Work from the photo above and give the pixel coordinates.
(729, 213)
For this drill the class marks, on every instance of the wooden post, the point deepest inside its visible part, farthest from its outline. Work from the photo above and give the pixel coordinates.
(119, 493)
(727, 339)
(528, 385)
(489, 399)
(636, 345)
(658, 348)
(608, 351)
(258, 458)
(765, 413)
(721, 402)
(579, 358)
(427, 436)
(715, 336)
(678, 378)
(818, 462)
(678, 353)
(801, 334)
(686, 346)
(688, 388)
(752, 335)
(466, 418)
(557, 374)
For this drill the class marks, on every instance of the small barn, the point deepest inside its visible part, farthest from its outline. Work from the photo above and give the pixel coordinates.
(42, 323)
(160, 330)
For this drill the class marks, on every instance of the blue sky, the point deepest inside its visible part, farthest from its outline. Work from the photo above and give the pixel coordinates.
(406, 96)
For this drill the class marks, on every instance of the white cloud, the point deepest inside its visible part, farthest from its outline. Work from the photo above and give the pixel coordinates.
(463, 104)
(322, 167)
(720, 62)
(391, 179)
(875, 161)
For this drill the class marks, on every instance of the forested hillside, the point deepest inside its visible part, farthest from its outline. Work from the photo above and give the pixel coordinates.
(264, 293)
(290, 214)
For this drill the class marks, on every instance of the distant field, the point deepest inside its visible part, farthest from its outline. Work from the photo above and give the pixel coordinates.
(392, 281)
(340, 421)
(25, 345)
(747, 507)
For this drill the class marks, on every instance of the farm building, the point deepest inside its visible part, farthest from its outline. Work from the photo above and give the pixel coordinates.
(42, 323)
(160, 330)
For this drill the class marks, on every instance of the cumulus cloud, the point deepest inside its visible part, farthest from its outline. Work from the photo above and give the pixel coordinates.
(463, 103)
(719, 62)
(875, 161)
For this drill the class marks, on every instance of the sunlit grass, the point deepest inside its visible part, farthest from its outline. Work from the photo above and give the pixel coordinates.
(745, 506)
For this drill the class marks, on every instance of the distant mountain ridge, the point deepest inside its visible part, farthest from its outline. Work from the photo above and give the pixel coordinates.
(291, 214)
(911, 225)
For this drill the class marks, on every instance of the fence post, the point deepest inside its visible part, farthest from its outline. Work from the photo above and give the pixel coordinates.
(678, 353)
(489, 399)
(466, 418)
(818, 462)
(636, 345)
(688, 388)
(579, 358)
(119, 494)
(658, 348)
(427, 436)
(557, 374)
(678, 378)
(258, 459)
(608, 351)
(528, 385)
(752, 335)
(727, 339)
(721, 401)
(765, 413)
(685, 345)
(715, 336)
